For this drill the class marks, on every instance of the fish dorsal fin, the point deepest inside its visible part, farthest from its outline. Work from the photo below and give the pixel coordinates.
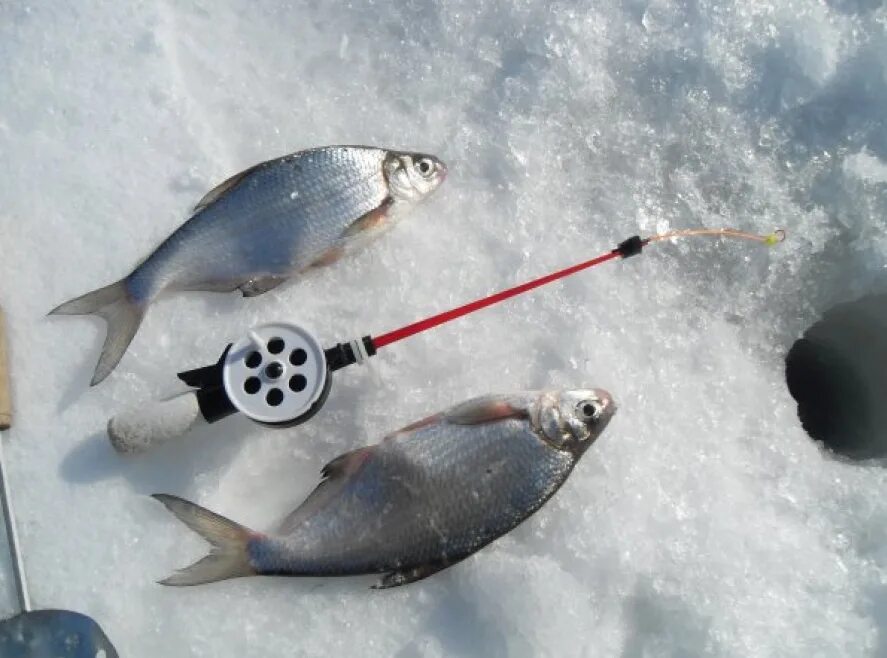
(224, 187)
(346, 464)
(487, 409)
(335, 476)
(413, 427)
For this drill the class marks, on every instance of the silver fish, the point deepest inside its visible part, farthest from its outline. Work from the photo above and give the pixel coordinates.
(423, 499)
(263, 226)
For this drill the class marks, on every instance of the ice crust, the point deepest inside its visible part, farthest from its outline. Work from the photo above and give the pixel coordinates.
(703, 523)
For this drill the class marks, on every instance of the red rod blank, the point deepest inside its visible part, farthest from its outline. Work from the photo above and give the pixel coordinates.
(446, 316)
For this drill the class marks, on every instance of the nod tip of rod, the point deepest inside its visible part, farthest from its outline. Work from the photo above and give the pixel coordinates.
(775, 237)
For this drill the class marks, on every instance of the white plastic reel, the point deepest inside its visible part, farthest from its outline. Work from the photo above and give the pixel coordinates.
(275, 373)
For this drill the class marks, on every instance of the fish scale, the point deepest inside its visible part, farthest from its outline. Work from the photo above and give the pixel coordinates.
(436, 477)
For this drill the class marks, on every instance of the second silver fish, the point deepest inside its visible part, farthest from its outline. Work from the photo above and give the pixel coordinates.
(423, 499)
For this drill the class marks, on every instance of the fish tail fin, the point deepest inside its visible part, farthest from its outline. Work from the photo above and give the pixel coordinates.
(122, 314)
(228, 557)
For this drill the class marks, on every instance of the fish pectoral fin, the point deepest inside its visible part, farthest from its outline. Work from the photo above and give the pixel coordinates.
(487, 409)
(372, 220)
(224, 187)
(407, 576)
(258, 286)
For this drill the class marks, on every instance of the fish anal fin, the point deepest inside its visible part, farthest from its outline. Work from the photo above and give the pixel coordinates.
(407, 576)
(372, 220)
(484, 410)
(259, 286)
(224, 187)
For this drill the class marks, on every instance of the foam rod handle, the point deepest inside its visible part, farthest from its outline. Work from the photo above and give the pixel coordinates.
(5, 396)
(146, 426)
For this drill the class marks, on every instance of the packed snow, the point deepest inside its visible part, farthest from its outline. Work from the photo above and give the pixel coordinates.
(703, 523)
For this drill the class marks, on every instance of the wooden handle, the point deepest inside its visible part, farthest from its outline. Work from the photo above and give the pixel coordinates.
(5, 393)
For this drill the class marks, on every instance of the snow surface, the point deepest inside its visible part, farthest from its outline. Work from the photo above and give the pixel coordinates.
(703, 523)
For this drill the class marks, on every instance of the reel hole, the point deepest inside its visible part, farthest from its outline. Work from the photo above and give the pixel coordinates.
(298, 383)
(252, 385)
(276, 345)
(298, 357)
(253, 360)
(274, 397)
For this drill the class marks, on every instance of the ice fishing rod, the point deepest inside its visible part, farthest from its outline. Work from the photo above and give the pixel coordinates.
(279, 375)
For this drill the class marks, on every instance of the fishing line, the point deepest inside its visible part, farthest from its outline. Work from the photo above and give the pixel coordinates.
(630, 247)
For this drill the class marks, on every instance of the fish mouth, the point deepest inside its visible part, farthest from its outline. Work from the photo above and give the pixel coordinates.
(608, 404)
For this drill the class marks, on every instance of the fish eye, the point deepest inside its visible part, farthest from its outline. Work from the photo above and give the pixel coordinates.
(425, 166)
(589, 410)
